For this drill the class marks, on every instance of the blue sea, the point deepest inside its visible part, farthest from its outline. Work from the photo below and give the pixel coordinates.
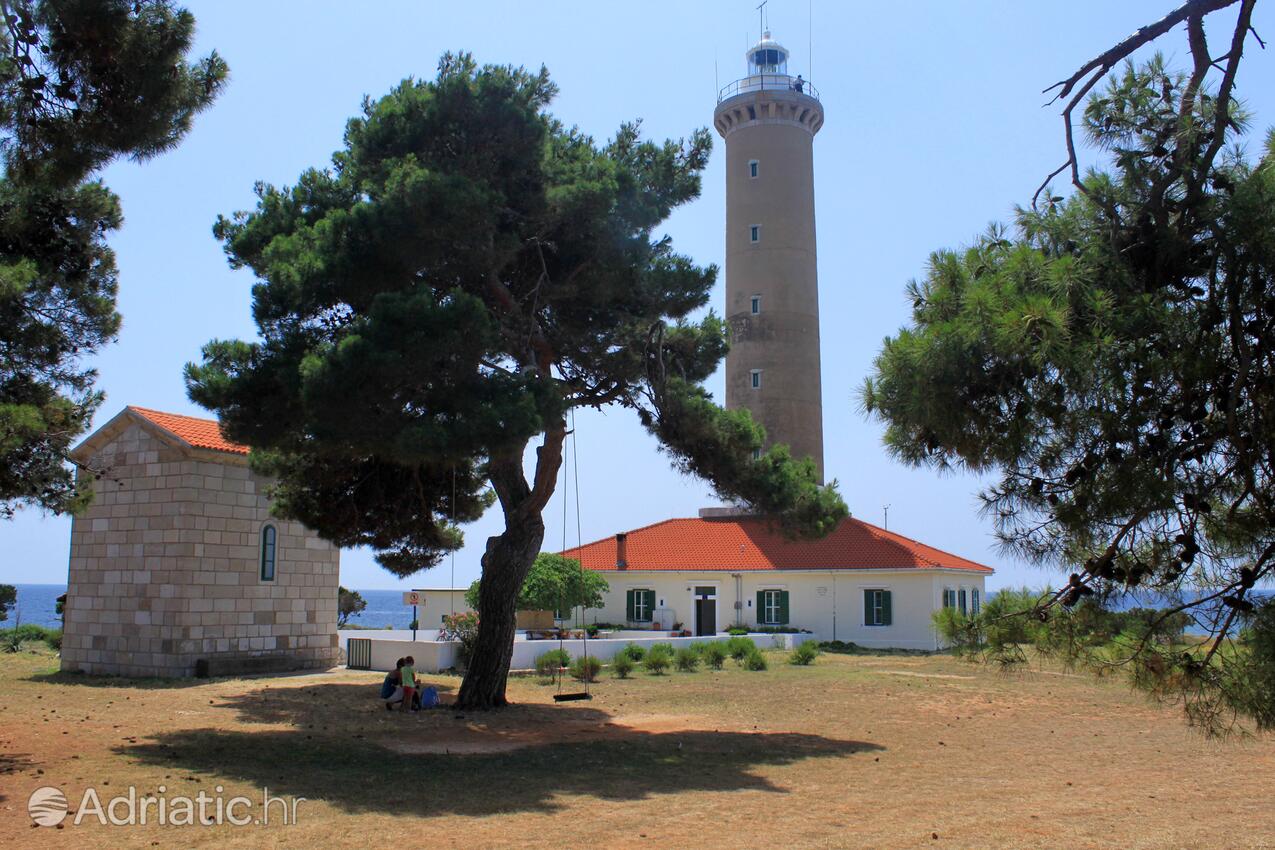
(36, 604)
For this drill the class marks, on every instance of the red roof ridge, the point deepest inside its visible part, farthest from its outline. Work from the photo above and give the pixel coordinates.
(195, 431)
(769, 550)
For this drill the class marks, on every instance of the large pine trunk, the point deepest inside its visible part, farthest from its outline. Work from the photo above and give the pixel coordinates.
(505, 565)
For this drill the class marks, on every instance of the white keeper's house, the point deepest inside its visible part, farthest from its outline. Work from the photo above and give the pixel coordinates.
(861, 583)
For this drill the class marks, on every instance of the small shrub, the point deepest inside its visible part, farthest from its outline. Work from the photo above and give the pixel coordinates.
(687, 659)
(755, 660)
(622, 665)
(464, 628)
(586, 668)
(634, 652)
(666, 648)
(714, 655)
(737, 630)
(657, 661)
(549, 663)
(841, 647)
(54, 639)
(738, 648)
(805, 654)
(11, 641)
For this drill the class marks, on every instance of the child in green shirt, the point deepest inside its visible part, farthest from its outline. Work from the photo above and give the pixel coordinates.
(407, 674)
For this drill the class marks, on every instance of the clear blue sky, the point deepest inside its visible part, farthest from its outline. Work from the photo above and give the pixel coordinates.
(934, 128)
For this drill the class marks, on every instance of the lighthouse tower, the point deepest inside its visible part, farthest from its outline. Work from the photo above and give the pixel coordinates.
(768, 120)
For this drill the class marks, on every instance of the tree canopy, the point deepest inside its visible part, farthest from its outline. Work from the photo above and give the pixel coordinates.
(1112, 355)
(82, 82)
(467, 271)
(553, 583)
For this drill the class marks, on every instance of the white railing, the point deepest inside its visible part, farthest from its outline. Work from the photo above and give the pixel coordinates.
(767, 82)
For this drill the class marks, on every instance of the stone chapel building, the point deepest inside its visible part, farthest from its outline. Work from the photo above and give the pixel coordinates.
(178, 568)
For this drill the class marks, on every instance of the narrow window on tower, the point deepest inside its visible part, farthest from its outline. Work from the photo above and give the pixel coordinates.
(755, 304)
(754, 233)
(752, 168)
(756, 378)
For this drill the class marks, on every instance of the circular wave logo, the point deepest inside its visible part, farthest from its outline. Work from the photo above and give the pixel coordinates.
(47, 806)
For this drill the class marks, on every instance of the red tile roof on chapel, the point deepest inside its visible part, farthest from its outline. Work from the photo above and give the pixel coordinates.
(735, 544)
(200, 433)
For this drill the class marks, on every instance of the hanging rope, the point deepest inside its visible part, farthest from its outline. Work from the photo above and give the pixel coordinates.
(453, 580)
(575, 465)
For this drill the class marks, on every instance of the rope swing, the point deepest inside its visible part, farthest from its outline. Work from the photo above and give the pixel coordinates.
(575, 465)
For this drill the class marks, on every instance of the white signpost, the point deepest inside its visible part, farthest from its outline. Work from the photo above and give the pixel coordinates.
(413, 598)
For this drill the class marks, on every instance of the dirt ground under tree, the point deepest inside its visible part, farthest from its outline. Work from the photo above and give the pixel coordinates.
(856, 751)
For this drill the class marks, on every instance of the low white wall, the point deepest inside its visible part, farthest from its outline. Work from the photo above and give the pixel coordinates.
(437, 656)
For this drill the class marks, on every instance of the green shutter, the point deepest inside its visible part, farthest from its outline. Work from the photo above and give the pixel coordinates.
(867, 608)
(887, 616)
(783, 607)
(650, 604)
(628, 604)
(761, 607)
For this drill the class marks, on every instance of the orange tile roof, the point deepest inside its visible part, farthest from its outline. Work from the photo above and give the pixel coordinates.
(735, 544)
(199, 433)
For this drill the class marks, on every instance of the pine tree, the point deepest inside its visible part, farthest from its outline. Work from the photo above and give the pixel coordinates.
(467, 272)
(82, 82)
(1113, 357)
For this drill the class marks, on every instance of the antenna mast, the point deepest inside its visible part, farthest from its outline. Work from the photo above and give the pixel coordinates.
(761, 20)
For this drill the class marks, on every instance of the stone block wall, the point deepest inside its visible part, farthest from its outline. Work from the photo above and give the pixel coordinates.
(165, 567)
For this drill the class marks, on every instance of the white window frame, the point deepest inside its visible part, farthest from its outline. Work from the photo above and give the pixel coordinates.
(949, 597)
(976, 601)
(754, 169)
(639, 603)
(878, 607)
(754, 233)
(962, 601)
(754, 378)
(768, 594)
(754, 305)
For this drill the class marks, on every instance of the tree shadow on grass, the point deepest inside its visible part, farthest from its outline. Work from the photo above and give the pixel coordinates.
(91, 680)
(363, 759)
(362, 777)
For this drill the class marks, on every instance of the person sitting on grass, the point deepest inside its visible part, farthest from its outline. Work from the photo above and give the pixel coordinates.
(407, 676)
(391, 688)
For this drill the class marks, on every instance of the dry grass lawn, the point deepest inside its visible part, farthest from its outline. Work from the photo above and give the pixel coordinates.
(856, 751)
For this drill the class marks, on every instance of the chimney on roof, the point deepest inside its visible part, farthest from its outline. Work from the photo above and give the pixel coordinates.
(621, 551)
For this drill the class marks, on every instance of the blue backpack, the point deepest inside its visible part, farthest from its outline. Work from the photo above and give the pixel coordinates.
(429, 697)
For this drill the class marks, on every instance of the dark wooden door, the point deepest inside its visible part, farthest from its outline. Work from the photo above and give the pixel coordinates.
(705, 617)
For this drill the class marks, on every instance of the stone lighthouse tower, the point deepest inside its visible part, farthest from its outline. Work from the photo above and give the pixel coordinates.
(769, 120)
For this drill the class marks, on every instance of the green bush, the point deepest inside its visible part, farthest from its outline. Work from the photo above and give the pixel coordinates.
(841, 647)
(739, 647)
(737, 630)
(586, 668)
(634, 652)
(622, 665)
(553, 660)
(657, 661)
(11, 640)
(780, 630)
(714, 655)
(666, 648)
(687, 659)
(755, 660)
(805, 654)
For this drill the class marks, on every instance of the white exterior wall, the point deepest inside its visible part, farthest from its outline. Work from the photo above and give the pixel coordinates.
(439, 602)
(827, 602)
